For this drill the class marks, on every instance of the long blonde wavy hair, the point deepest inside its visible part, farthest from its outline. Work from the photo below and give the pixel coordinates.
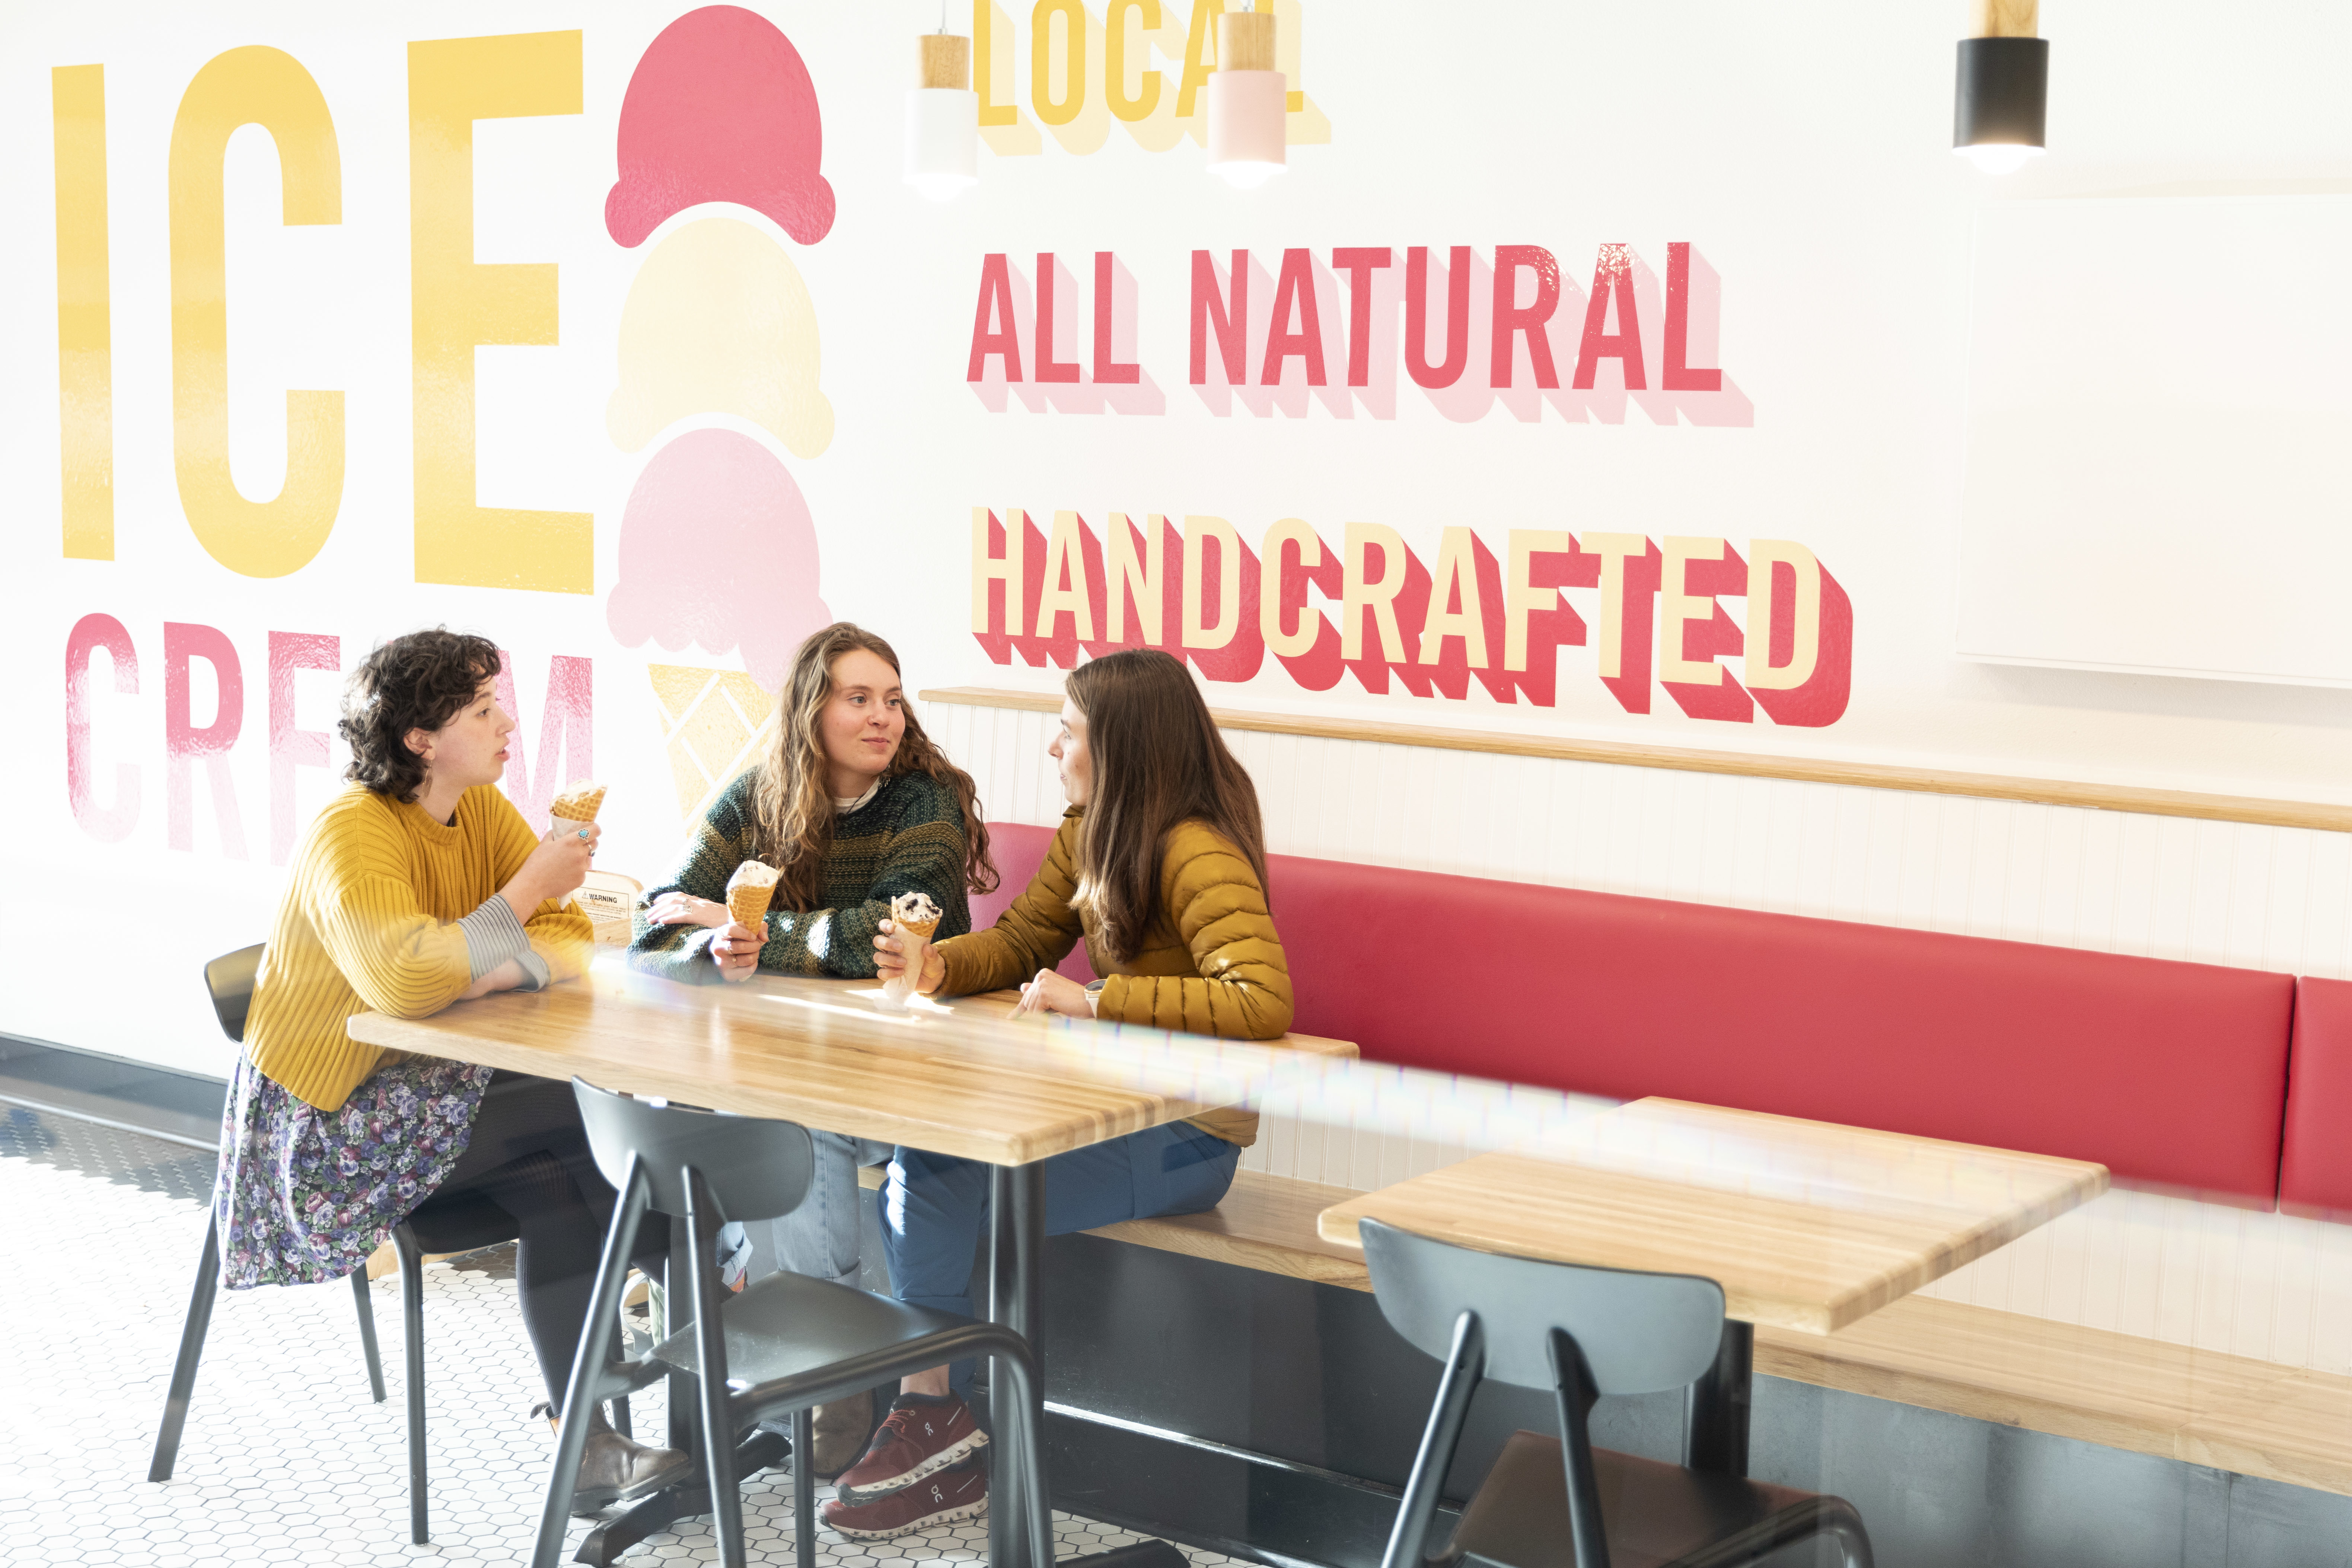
(793, 809)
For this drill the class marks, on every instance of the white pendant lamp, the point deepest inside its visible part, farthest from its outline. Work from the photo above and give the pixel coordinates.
(1249, 101)
(2003, 92)
(943, 119)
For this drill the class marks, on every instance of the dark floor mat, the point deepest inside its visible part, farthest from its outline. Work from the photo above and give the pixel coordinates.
(126, 1159)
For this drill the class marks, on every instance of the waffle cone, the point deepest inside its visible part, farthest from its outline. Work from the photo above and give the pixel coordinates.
(922, 929)
(577, 803)
(748, 902)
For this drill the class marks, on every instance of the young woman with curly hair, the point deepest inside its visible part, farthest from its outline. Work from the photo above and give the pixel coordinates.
(418, 887)
(854, 806)
(1159, 866)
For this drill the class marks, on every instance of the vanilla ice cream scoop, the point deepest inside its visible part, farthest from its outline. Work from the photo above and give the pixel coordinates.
(915, 910)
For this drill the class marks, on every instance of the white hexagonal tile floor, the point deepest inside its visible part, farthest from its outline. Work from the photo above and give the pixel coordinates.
(286, 1457)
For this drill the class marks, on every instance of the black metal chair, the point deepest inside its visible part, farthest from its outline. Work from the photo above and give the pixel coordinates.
(1582, 1332)
(459, 1224)
(786, 1343)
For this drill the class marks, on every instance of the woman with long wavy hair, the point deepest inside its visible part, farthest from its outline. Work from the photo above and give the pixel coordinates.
(853, 805)
(1159, 865)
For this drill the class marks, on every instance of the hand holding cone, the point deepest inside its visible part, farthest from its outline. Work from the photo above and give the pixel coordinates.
(914, 917)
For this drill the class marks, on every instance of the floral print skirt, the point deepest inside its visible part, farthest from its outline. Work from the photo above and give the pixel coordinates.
(305, 1195)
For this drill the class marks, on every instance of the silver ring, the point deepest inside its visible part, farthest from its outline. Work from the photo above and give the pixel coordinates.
(584, 832)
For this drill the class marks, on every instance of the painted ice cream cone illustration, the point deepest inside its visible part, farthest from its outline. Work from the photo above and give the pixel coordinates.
(915, 917)
(726, 489)
(718, 548)
(576, 804)
(748, 892)
(715, 724)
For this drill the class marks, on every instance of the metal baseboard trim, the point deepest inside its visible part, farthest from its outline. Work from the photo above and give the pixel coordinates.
(112, 1091)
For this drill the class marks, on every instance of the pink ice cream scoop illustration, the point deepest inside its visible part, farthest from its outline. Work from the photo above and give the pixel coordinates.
(720, 109)
(717, 550)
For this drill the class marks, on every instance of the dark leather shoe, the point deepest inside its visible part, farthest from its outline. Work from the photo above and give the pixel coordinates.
(840, 1430)
(617, 1469)
(614, 1468)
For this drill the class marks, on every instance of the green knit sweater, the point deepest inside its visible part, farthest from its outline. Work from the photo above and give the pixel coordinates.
(908, 838)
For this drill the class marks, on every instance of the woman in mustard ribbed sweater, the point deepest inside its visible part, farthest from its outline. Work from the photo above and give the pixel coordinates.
(1161, 865)
(420, 886)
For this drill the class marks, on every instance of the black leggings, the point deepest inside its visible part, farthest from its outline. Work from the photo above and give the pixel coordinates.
(529, 1154)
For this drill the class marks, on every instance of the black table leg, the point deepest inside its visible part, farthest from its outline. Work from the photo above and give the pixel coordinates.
(1012, 1300)
(1715, 1411)
(1016, 1255)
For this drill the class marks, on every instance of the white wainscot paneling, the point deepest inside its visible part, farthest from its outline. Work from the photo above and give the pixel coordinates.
(2223, 1279)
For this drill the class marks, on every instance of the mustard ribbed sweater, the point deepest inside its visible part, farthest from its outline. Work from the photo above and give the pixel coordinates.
(368, 922)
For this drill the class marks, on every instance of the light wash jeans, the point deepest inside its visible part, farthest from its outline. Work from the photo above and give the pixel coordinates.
(820, 1237)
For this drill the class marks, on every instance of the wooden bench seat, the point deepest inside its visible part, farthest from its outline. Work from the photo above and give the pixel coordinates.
(2253, 1417)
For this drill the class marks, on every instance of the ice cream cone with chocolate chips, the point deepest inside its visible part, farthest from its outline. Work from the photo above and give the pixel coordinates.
(915, 917)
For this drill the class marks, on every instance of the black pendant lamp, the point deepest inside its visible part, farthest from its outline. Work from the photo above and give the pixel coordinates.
(2003, 91)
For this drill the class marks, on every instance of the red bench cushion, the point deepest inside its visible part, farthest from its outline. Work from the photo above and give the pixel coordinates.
(2172, 1075)
(2315, 1174)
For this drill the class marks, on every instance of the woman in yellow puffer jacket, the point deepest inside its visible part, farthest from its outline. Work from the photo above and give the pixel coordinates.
(1161, 866)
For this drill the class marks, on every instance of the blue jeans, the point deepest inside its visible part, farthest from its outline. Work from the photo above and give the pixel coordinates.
(935, 1207)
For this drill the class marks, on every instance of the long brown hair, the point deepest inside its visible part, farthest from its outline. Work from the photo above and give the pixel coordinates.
(1157, 762)
(792, 811)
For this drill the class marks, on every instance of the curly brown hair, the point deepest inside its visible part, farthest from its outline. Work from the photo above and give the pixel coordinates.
(414, 682)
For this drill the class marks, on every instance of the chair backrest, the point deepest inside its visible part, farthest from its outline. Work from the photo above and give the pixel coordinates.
(229, 978)
(1639, 1332)
(755, 1168)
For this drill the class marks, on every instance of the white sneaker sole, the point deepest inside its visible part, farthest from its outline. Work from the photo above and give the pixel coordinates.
(928, 1521)
(953, 1454)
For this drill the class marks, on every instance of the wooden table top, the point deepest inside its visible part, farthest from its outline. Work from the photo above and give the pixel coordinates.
(1806, 1224)
(964, 1077)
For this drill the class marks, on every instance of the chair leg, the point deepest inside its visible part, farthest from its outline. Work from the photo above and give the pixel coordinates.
(412, 1329)
(1573, 1396)
(1017, 1389)
(580, 1392)
(1417, 1512)
(366, 1309)
(191, 1350)
(1854, 1541)
(804, 1487)
(710, 1354)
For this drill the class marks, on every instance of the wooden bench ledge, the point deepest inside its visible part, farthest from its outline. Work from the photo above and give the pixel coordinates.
(2235, 1412)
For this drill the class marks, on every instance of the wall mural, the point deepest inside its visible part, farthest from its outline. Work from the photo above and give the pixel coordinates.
(1520, 412)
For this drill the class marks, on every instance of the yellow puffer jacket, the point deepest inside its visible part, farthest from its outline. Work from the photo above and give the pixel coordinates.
(1212, 963)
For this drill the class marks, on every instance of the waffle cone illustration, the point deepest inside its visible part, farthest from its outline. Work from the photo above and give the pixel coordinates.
(577, 803)
(748, 892)
(916, 917)
(715, 724)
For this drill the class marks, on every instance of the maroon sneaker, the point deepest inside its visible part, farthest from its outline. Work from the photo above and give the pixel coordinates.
(918, 1439)
(944, 1497)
